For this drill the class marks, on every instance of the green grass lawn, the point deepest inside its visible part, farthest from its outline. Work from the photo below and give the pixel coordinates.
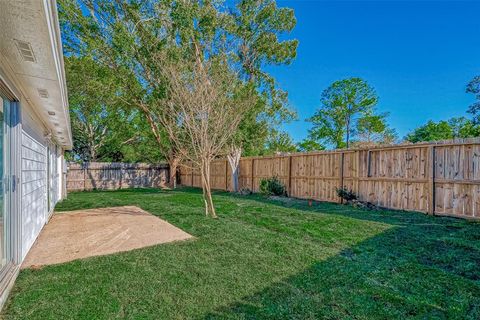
(265, 259)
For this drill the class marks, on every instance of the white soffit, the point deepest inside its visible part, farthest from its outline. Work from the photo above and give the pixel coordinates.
(30, 43)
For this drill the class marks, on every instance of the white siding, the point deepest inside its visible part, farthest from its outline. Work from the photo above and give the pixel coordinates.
(53, 177)
(60, 174)
(57, 181)
(36, 152)
(34, 190)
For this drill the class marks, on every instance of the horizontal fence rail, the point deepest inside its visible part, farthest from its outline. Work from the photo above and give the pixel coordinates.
(115, 175)
(440, 178)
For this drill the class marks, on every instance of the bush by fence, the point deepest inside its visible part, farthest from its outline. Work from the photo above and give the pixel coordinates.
(103, 175)
(438, 178)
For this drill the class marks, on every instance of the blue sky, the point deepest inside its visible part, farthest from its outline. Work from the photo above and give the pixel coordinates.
(417, 55)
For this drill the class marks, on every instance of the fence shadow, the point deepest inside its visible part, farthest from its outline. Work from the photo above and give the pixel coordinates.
(390, 216)
(422, 267)
(436, 176)
(419, 267)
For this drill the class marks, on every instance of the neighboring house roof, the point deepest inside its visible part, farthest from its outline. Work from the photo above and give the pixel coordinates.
(30, 46)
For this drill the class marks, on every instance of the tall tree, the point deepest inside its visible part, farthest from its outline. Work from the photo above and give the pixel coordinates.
(255, 28)
(131, 141)
(431, 131)
(92, 99)
(473, 87)
(372, 129)
(126, 36)
(198, 97)
(463, 127)
(308, 144)
(342, 103)
(207, 102)
(444, 130)
(280, 142)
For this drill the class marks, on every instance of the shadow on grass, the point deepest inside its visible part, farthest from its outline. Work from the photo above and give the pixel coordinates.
(423, 267)
(402, 273)
(417, 267)
(393, 217)
(336, 264)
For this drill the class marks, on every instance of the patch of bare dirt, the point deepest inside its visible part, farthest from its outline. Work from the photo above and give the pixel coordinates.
(86, 233)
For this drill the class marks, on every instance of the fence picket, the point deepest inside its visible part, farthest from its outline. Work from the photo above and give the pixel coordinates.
(439, 178)
(103, 175)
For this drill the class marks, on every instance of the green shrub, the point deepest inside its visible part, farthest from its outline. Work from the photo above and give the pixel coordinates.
(346, 194)
(272, 187)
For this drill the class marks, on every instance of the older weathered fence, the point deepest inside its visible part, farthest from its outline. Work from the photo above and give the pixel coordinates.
(438, 178)
(103, 175)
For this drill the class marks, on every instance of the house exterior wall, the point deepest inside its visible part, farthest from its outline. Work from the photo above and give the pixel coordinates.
(34, 189)
(34, 149)
(37, 125)
(38, 186)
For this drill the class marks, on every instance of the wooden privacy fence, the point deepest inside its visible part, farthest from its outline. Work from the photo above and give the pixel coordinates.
(114, 175)
(438, 178)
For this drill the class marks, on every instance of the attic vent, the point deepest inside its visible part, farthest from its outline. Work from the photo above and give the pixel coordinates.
(25, 50)
(43, 93)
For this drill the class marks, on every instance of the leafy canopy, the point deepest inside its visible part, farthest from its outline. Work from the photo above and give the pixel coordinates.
(372, 129)
(444, 130)
(103, 128)
(128, 36)
(342, 104)
(473, 87)
(308, 144)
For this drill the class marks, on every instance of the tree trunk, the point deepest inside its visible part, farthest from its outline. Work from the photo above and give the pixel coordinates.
(173, 163)
(234, 161)
(93, 155)
(204, 193)
(235, 179)
(210, 203)
(207, 191)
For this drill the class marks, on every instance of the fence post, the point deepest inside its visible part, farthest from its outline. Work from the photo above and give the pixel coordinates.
(84, 168)
(369, 157)
(121, 175)
(357, 173)
(253, 162)
(342, 159)
(191, 168)
(226, 175)
(431, 181)
(289, 176)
